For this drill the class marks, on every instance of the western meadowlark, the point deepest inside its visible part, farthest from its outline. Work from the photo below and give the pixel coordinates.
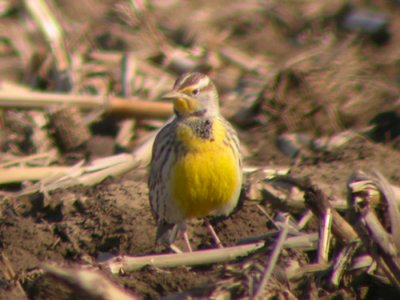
(196, 163)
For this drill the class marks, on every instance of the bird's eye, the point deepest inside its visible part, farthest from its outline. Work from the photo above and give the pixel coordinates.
(195, 92)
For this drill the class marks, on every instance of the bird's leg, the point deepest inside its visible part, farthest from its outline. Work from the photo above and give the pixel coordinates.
(166, 235)
(186, 239)
(213, 234)
(175, 248)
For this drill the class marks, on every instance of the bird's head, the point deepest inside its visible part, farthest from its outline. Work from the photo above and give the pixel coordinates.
(194, 94)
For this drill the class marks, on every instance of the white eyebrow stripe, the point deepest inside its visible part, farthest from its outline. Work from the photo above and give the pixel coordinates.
(203, 82)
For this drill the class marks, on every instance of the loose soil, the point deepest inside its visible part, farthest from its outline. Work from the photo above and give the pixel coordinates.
(86, 225)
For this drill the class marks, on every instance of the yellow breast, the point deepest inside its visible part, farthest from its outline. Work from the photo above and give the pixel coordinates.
(206, 178)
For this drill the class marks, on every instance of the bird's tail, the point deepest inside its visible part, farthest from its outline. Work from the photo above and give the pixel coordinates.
(166, 233)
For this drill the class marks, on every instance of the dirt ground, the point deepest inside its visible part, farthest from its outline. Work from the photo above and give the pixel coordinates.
(313, 77)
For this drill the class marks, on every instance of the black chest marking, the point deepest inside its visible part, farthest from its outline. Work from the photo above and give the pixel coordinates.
(203, 129)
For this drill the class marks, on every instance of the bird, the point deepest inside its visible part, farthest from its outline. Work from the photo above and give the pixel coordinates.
(196, 162)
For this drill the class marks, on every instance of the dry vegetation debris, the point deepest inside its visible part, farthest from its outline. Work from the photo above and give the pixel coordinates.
(313, 87)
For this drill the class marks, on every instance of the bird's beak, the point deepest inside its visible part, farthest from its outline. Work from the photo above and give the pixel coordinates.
(172, 95)
(182, 103)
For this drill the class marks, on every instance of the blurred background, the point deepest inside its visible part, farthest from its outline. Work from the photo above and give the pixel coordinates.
(311, 85)
(317, 67)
